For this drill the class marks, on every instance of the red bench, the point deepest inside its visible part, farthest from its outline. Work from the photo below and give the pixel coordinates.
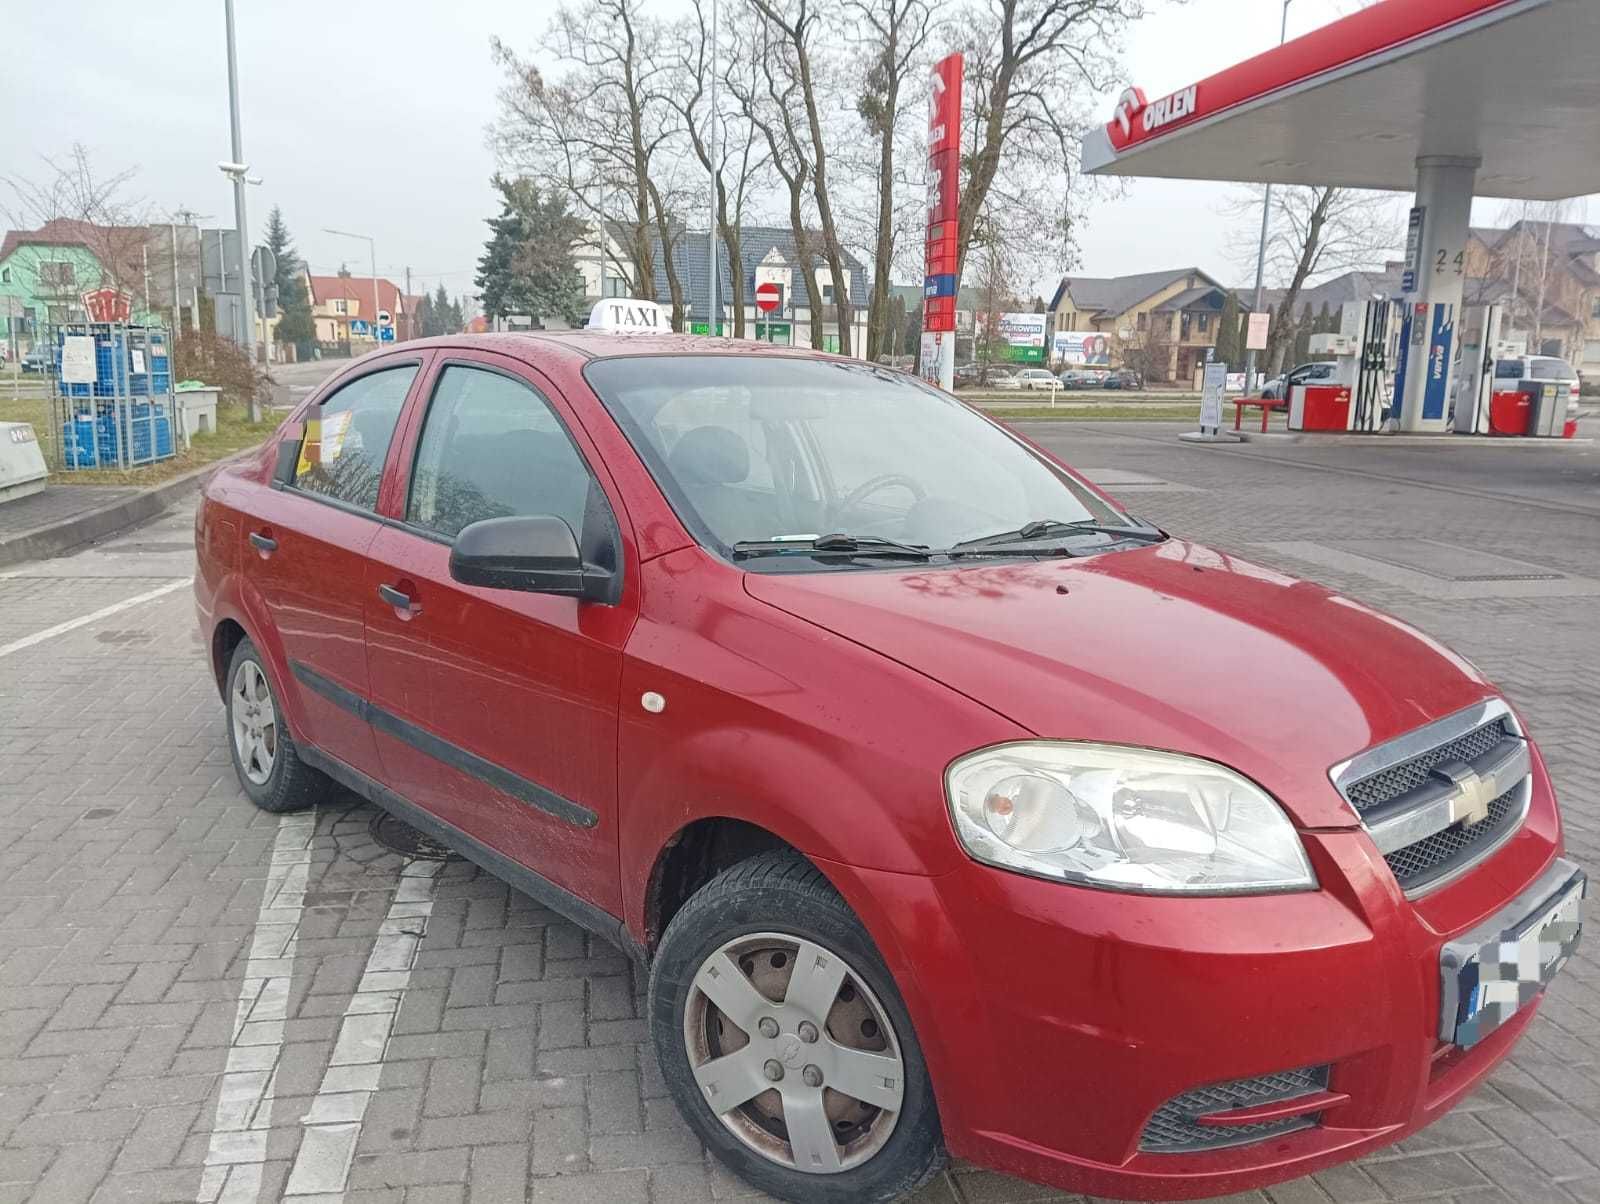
(1266, 405)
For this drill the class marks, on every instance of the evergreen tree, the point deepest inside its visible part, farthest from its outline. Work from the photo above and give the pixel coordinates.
(1327, 320)
(527, 265)
(295, 324)
(446, 312)
(1228, 348)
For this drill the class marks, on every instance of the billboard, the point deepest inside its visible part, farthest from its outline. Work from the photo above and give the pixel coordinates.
(1085, 347)
(1017, 338)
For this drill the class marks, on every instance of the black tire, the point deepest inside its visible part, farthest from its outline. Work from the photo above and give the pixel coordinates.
(784, 893)
(292, 785)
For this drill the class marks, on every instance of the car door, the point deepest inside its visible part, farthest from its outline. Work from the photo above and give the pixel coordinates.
(496, 709)
(305, 555)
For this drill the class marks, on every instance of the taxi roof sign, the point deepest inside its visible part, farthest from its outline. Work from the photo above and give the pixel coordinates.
(622, 315)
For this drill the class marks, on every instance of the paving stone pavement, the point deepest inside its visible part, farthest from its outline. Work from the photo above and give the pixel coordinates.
(135, 881)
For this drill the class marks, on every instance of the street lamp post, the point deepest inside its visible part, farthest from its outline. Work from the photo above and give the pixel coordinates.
(236, 171)
(372, 251)
(711, 277)
(1266, 217)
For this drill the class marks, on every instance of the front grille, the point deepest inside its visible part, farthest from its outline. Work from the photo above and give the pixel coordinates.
(1175, 1127)
(1411, 789)
(1432, 857)
(1391, 783)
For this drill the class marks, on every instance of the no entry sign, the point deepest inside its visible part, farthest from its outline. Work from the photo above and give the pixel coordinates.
(768, 296)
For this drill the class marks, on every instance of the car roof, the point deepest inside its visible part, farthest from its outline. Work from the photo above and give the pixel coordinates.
(595, 344)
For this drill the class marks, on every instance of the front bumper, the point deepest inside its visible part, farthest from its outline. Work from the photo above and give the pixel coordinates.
(1056, 1021)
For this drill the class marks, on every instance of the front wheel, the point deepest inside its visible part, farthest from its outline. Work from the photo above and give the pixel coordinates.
(785, 1043)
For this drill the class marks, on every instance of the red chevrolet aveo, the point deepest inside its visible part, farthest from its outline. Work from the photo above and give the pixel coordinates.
(952, 807)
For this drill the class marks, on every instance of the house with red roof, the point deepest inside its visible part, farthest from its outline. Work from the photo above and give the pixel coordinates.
(343, 310)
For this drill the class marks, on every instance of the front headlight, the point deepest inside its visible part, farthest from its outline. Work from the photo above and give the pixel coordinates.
(1124, 819)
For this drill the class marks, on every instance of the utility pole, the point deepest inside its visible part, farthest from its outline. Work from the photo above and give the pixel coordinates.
(711, 279)
(1266, 217)
(406, 300)
(247, 317)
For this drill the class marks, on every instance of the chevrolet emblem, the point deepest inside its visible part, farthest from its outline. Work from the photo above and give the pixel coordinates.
(1473, 795)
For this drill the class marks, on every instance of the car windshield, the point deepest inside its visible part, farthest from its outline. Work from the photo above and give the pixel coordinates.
(758, 450)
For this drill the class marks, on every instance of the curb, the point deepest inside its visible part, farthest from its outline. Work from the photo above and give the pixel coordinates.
(1375, 439)
(57, 538)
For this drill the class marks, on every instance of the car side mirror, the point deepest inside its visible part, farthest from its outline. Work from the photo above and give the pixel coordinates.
(536, 553)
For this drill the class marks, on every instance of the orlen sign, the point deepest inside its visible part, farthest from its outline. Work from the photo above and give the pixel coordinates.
(1134, 117)
(944, 189)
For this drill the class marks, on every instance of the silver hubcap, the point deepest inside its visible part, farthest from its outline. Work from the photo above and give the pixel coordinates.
(794, 1053)
(255, 722)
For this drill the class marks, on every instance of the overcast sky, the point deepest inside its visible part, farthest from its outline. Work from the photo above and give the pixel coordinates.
(371, 118)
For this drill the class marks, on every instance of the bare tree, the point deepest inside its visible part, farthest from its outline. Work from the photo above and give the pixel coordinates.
(769, 101)
(595, 133)
(1527, 263)
(1032, 68)
(1314, 231)
(795, 26)
(896, 34)
(71, 206)
(740, 154)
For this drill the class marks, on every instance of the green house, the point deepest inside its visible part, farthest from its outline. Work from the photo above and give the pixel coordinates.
(45, 272)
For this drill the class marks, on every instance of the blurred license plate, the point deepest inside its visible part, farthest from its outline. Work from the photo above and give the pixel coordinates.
(1500, 967)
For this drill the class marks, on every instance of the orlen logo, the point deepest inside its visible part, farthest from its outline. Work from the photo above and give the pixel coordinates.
(1129, 103)
(1152, 115)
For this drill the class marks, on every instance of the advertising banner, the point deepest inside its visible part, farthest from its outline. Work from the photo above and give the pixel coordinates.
(1211, 390)
(944, 191)
(1018, 338)
(1081, 347)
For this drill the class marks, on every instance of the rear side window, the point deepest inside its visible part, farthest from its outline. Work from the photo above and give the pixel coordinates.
(1547, 368)
(347, 437)
(493, 448)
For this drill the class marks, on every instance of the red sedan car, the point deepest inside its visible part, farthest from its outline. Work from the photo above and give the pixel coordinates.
(952, 807)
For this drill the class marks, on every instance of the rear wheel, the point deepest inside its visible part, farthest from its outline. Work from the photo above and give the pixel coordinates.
(264, 755)
(785, 1043)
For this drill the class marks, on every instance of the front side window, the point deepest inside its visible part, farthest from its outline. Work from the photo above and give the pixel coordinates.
(493, 448)
(753, 450)
(347, 437)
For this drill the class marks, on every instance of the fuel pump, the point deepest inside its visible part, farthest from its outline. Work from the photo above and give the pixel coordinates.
(1355, 397)
(1481, 346)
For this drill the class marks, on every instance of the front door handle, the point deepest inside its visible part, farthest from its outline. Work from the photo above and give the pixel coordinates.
(263, 543)
(398, 598)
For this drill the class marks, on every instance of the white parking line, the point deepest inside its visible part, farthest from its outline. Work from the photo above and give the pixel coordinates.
(333, 1125)
(244, 1106)
(49, 633)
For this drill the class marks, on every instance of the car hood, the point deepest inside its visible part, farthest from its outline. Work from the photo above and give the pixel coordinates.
(1173, 646)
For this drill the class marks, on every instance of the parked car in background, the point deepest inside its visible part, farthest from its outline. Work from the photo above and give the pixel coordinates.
(1037, 378)
(1123, 378)
(38, 359)
(1082, 378)
(1277, 389)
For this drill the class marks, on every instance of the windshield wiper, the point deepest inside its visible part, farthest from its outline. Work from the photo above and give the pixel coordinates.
(1046, 527)
(837, 543)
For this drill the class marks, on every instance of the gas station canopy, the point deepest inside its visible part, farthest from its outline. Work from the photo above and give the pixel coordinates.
(1512, 84)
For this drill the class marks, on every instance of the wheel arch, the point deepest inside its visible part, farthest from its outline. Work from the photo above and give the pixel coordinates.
(691, 857)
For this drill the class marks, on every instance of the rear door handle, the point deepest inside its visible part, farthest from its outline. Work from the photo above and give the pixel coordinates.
(264, 543)
(397, 598)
